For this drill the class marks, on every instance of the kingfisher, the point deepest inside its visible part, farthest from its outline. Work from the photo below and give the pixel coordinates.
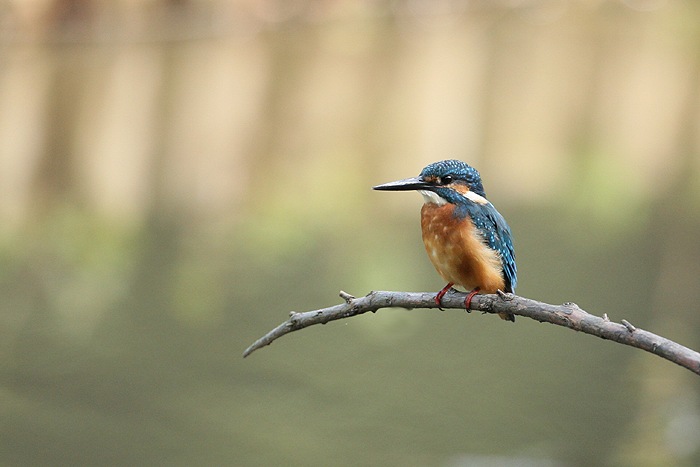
(467, 239)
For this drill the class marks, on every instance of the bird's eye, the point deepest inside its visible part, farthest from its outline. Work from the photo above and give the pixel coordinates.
(446, 180)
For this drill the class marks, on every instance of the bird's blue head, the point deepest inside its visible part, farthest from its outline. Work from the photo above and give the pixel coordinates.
(449, 181)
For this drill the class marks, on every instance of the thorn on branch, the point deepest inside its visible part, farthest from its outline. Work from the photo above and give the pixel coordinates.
(628, 325)
(293, 319)
(346, 296)
(504, 295)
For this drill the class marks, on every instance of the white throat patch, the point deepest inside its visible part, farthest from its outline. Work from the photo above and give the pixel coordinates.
(432, 197)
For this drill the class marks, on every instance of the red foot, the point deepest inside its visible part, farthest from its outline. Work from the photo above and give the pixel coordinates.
(468, 300)
(440, 294)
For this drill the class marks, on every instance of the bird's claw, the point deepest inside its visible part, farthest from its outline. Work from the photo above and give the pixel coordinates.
(440, 294)
(468, 300)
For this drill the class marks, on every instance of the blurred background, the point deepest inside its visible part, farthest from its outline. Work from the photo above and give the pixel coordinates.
(176, 176)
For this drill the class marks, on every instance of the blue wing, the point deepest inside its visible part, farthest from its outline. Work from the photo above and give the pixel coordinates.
(496, 234)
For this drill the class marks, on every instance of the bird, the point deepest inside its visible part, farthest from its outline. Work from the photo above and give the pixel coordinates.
(467, 240)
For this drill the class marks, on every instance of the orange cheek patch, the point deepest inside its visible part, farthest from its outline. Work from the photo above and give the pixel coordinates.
(460, 188)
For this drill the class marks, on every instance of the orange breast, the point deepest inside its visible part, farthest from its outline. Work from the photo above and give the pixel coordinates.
(458, 252)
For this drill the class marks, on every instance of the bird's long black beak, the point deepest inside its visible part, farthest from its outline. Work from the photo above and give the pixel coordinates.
(415, 183)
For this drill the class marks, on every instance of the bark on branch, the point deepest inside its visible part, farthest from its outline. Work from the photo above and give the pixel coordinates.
(568, 315)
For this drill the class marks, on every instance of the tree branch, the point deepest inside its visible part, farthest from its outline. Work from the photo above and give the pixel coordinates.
(568, 315)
